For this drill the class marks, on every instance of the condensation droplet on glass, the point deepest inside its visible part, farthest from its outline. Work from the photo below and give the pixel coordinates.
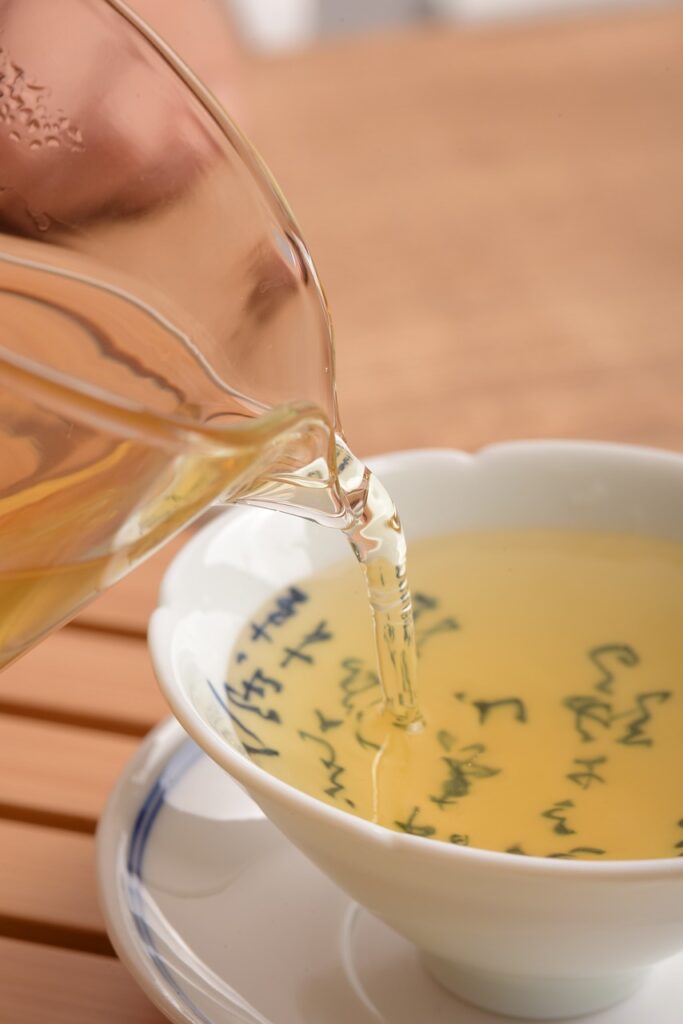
(52, 142)
(35, 144)
(75, 136)
(14, 136)
(41, 220)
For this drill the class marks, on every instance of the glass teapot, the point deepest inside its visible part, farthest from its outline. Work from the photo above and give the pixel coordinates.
(164, 340)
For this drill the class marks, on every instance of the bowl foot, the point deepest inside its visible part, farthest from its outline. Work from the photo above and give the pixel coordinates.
(529, 997)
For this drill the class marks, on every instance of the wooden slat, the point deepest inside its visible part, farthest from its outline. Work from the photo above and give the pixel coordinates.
(57, 775)
(497, 216)
(39, 985)
(127, 606)
(48, 890)
(86, 678)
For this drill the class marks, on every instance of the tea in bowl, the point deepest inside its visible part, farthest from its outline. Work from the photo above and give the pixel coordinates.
(549, 697)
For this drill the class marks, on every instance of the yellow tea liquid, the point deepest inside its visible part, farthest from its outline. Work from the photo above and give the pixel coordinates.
(550, 684)
(127, 434)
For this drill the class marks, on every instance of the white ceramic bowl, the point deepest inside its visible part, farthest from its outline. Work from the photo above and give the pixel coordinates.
(522, 935)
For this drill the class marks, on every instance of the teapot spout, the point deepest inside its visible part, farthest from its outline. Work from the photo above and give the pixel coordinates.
(327, 489)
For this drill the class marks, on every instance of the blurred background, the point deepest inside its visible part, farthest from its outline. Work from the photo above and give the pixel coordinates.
(491, 190)
(270, 25)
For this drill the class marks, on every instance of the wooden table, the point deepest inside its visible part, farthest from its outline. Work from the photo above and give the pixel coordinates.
(498, 216)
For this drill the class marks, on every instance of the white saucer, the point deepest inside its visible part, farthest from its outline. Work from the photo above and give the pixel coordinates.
(222, 921)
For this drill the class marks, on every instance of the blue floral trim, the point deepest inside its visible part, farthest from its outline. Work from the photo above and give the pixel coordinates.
(184, 758)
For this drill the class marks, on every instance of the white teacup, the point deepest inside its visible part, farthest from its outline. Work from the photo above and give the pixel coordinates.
(524, 936)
